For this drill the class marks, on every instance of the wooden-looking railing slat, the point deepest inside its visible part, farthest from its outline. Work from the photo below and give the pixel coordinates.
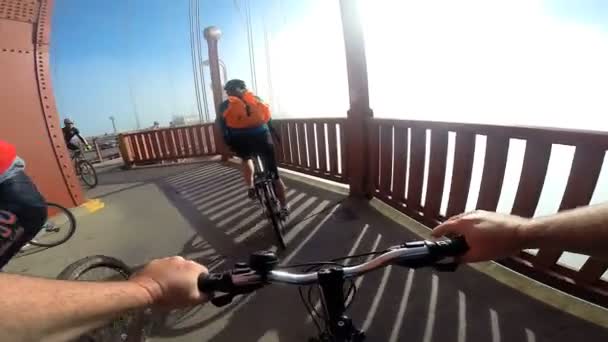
(312, 146)
(187, 143)
(148, 151)
(203, 137)
(386, 159)
(464, 152)
(494, 164)
(322, 146)
(436, 180)
(144, 144)
(416, 175)
(195, 142)
(374, 158)
(171, 143)
(285, 142)
(585, 171)
(162, 143)
(532, 178)
(343, 151)
(302, 145)
(400, 158)
(293, 136)
(208, 130)
(136, 147)
(213, 139)
(179, 143)
(332, 143)
(155, 145)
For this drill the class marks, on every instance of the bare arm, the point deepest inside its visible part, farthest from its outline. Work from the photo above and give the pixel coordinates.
(36, 309)
(582, 230)
(491, 235)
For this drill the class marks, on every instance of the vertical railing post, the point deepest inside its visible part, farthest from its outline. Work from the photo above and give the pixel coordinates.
(212, 36)
(98, 150)
(359, 111)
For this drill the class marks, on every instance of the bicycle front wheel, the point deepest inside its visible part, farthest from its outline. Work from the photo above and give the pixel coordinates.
(58, 228)
(129, 326)
(87, 173)
(272, 211)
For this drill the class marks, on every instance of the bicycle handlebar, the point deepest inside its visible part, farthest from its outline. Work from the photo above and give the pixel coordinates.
(246, 278)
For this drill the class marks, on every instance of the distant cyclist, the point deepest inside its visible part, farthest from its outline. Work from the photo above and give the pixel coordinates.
(22, 207)
(246, 124)
(70, 132)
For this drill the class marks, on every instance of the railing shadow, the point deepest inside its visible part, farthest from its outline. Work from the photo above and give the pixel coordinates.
(392, 304)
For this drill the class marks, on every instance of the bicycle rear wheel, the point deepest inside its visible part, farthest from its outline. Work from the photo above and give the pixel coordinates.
(129, 326)
(272, 211)
(87, 173)
(58, 228)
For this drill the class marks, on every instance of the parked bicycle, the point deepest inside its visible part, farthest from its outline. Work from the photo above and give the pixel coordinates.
(58, 228)
(84, 169)
(266, 195)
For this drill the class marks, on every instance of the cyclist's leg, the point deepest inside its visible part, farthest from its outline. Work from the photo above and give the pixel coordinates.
(241, 147)
(270, 161)
(19, 196)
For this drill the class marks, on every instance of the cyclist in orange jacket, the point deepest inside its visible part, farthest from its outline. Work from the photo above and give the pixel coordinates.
(246, 125)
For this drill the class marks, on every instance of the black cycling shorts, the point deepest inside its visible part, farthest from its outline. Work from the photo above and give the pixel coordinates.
(248, 146)
(72, 147)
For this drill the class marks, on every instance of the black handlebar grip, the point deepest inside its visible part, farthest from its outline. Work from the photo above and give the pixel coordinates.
(208, 282)
(457, 246)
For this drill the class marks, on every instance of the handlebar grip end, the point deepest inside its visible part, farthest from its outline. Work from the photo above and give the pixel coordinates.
(457, 246)
(208, 282)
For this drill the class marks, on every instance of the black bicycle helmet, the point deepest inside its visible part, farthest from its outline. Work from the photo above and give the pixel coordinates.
(235, 84)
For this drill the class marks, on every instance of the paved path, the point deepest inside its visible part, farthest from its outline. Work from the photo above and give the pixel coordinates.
(200, 211)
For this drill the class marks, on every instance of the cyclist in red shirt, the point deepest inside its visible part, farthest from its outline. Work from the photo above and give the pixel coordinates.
(22, 208)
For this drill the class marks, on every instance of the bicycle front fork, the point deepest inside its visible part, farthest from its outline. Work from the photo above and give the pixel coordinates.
(341, 328)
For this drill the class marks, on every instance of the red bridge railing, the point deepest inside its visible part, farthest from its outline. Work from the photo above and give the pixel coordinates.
(145, 147)
(313, 146)
(397, 159)
(390, 158)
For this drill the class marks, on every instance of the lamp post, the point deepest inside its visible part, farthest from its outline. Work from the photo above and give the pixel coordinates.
(114, 124)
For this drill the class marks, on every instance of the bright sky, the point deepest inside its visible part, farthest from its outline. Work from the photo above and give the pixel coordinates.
(523, 62)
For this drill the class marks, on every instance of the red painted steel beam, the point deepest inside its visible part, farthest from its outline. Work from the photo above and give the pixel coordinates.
(28, 113)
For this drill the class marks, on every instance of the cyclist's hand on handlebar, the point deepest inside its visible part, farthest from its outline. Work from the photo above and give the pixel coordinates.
(172, 282)
(489, 235)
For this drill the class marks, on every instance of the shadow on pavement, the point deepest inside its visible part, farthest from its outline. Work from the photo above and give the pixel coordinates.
(392, 304)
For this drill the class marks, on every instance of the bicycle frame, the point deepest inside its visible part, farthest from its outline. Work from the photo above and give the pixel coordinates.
(261, 178)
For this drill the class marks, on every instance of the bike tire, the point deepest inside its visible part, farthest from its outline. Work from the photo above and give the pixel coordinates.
(273, 215)
(84, 164)
(135, 330)
(70, 230)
